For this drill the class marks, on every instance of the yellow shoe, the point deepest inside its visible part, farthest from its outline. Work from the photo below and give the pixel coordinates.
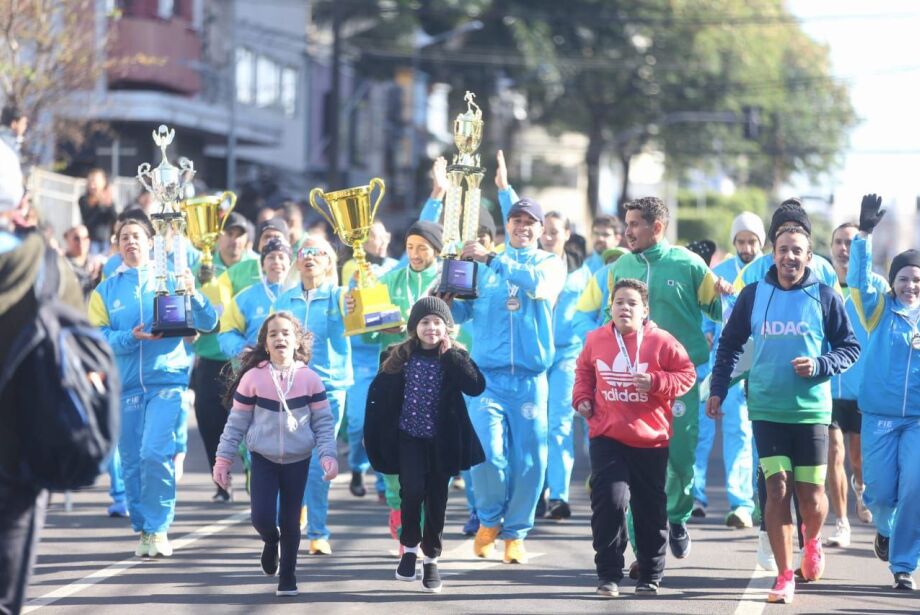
(515, 553)
(320, 547)
(484, 542)
(303, 518)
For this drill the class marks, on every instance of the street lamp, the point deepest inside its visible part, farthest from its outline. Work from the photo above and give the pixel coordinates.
(423, 41)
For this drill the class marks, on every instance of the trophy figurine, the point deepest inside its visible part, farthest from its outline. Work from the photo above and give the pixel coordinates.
(351, 216)
(172, 313)
(205, 218)
(461, 208)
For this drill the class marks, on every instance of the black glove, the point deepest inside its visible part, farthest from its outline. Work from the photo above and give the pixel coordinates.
(205, 274)
(869, 213)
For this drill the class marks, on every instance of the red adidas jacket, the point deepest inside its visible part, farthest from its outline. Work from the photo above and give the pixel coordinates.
(642, 420)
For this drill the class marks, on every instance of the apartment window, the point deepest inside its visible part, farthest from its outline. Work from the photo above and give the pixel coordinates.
(166, 8)
(268, 82)
(245, 76)
(289, 91)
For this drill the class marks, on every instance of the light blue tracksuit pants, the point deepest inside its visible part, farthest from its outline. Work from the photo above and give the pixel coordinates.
(891, 473)
(116, 478)
(316, 495)
(560, 446)
(153, 430)
(737, 451)
(510, 420)
(364, 362)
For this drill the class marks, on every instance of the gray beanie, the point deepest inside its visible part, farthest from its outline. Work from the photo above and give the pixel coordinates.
(751, 222)
(426, 306)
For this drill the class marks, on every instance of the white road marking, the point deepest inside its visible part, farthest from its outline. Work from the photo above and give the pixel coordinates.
(754, 598)
(119, 567)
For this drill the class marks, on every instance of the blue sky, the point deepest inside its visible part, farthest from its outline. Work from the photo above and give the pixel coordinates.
(875, 47)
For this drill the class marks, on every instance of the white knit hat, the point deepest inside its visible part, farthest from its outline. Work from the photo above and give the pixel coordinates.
(10, 178)
(748, 221)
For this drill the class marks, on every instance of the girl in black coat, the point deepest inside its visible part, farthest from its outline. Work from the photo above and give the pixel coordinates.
(417, 426)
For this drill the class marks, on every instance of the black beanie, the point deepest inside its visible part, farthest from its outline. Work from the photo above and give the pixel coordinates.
(790, 210)
(432, 232)
(907, 258)
(426, 306)
(274, 245)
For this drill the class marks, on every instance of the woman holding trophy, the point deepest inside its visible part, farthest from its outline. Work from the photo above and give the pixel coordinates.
(317, 302)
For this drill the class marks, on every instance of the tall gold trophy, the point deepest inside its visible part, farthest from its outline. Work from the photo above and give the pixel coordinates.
(205, 217)
(458, 277)
(351, 216)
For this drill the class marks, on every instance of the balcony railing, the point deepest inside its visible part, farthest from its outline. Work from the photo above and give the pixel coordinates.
(153, 54)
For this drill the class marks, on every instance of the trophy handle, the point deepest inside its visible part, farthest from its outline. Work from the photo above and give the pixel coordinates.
(143, 172)
(232, 198)
(375, 181)
(318, 193)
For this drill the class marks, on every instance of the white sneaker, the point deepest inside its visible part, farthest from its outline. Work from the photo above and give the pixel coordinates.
(841, 535)
(143, 546)
(739, 518)
(862, 512)
(765, 557)
(159, 545)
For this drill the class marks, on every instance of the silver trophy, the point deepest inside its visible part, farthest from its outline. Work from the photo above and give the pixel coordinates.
(172, 313)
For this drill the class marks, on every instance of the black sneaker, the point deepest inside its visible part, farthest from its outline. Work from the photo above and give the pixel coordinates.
(287, 586)
(406, 569)
(431, 578)
(541, 508)
(903, 581)
(647, 588)
(607, 589)
(881, 547)
(634, 571)
(269, 559)
(357, 485)
(222, 496)
(679, 540)
(559, 510)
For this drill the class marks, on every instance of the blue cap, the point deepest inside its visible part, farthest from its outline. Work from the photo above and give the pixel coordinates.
(529, 207)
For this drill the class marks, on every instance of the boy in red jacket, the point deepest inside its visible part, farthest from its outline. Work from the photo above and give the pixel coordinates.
(626, 380)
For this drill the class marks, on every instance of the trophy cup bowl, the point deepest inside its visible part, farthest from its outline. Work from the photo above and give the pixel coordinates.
(350, 214)
(204, 223)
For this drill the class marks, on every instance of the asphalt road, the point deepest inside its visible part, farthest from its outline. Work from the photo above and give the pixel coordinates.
(86, 565)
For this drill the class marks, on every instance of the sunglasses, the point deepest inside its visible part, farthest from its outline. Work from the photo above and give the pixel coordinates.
(310, 251)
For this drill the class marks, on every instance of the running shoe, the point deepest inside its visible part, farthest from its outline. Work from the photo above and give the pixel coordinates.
(862, 511)
(431, 578)
(484, 543)
(880, 546)
(356, 486)
(699, 510)
(269, 558)
(813, 559)
(472, 525)
(647, 588)
(159, 545)
(515, 553)
(679, 540)
(458, 483)
(841, 535)
(143, 546)
(558, 510)
(287, 586)
(903, 581)
(783, 588)
(739, 518)
(765, 557)
(607, 589)
(320, 546)
(405, 571)
(222, 496)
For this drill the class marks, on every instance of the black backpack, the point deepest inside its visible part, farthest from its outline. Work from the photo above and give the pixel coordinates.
(68, 386)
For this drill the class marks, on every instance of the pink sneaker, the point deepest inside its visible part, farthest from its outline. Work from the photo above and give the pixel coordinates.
(395, 523)
(783, 589)
(813, 560)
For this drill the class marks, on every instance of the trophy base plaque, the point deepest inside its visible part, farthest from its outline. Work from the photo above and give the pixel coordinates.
(458, 278)
(172, 316)
(373, 311)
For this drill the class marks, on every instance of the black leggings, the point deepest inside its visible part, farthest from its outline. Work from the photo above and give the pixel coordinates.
(269, 480)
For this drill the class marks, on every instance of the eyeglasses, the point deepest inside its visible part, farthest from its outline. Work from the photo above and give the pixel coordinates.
(310, 251)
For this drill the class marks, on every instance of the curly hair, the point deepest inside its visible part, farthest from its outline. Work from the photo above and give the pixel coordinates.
(637, 285)
(252, 357)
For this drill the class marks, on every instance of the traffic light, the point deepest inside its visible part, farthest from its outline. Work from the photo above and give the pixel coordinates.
(751, 121)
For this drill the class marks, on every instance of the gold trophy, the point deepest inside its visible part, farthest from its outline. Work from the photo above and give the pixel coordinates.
(351, 217)
(205, 218)
(458, 277)
(172, 313)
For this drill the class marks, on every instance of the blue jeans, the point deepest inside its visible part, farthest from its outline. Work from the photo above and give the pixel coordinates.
(316, 495)
(892, 478)
(737, 451)
(153, 430)
(510, 421)
(561, 449)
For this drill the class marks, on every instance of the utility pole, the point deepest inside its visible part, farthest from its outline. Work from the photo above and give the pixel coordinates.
(231, 133)
(332, 109)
